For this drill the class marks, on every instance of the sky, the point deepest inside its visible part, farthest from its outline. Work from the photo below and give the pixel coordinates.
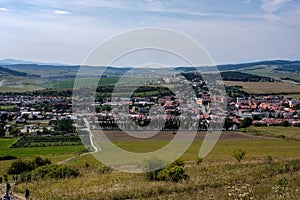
(231, 31)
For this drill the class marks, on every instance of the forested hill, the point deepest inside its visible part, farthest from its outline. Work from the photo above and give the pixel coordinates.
(6, 71)
(281, 65)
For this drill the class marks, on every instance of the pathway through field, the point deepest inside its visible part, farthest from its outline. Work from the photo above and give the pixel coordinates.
(16, 196)
(88, 129)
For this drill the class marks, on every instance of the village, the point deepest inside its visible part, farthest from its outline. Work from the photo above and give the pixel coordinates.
(21, 114)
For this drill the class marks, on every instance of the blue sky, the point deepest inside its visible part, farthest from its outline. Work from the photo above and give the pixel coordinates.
(232, 31)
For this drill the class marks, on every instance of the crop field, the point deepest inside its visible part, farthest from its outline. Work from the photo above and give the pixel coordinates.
(266, 87)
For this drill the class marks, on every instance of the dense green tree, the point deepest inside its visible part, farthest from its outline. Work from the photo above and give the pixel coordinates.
(2, 131)
(246, 122)
(64, 125)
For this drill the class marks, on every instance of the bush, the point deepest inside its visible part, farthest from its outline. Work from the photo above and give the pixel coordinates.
(20, 166)
(239, 154)
(8, 158)
(55, 172)
(269, 159)
(246, 123)
(173, 172)
(199, 160)
(50, 172)
(38, 161)
(153, 167)
(103, 169)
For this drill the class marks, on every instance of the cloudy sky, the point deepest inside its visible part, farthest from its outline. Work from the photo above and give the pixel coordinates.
(232, 31)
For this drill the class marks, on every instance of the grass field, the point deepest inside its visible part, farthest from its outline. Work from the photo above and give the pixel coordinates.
(266, 87)
(270, 71)
(54, 153)
(257, 149)
(274, 131)
(219, 176)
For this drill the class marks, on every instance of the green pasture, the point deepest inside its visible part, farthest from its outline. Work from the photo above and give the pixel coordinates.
(55, 153)
(274, 131)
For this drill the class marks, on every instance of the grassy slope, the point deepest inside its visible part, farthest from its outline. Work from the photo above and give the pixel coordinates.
(207, 181)
(218, 177)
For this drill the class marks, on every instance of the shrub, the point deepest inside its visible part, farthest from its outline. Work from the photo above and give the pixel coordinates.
(269, 159)
(173, 172)
(246, 123)
(199, 160)
(152, 167)
(50, 172)
(55, 172)
(20, 166)
(38, 161)
(8, 158)
(239, 154)
(103, 169)
(282, 182)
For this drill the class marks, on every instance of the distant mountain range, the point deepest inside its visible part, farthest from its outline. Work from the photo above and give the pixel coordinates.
(10, 61)
(19, 65)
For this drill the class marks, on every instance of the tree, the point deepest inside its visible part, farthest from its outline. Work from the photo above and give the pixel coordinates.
(228, 123)
(14, 131)
(2, 131)
(64, 125)
(246, 123)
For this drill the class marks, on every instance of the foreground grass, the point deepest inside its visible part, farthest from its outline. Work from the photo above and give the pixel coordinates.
(278, 180)
(219, 176)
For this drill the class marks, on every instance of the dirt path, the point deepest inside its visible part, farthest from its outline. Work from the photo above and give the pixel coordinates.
(88, 129)
(16, 196)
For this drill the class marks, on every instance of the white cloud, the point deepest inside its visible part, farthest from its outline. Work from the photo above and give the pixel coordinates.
(273, 5)
(271, 17)
(61, 12)
(270, 7)
(3, 9)
(247, 1)
(99, 3)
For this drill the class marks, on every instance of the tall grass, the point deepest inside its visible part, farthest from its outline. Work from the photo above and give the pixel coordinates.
(214, 181)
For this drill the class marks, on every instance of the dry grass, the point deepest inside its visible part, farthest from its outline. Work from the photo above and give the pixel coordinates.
(265, 87)
(219, 181)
